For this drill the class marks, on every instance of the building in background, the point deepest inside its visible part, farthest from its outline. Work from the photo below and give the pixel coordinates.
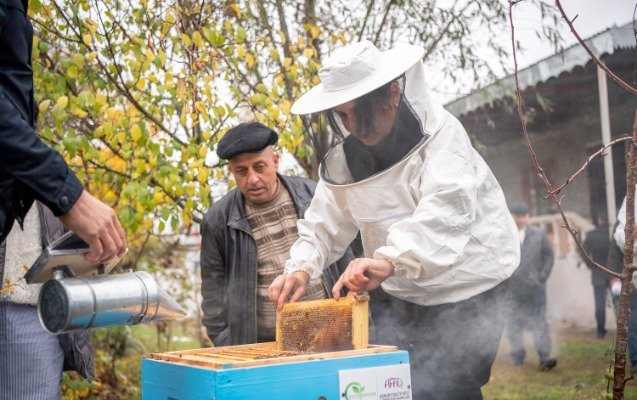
(572, 109)
(565, 97)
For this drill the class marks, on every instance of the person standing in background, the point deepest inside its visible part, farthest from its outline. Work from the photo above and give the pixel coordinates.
(616, 263)
(528, 291)
(597, 245)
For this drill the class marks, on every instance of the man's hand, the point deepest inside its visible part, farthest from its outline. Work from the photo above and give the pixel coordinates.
(363, 274)
(288, 285)
(96, 224)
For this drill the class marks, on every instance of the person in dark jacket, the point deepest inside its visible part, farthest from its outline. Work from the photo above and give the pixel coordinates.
(528, 291)
(246, 237)
(30, 170)
(597, 244)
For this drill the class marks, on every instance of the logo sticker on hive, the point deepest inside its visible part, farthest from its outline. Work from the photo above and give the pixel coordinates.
(392, 382)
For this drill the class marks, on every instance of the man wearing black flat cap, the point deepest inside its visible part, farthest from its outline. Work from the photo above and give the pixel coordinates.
(246, 237)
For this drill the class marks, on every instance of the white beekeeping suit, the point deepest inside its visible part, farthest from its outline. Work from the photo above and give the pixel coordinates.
(620, 236)
(438, 214)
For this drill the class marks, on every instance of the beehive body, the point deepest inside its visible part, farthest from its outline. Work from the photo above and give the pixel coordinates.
(255, 371)
(323, 325)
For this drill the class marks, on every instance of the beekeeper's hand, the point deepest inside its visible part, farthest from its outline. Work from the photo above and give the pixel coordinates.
(96, 224)
(288, 285)
(363, 274)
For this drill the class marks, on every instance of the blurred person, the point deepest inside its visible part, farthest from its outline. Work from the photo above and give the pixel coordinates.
(436, 232)
(246, 238)
(528, 291)
(616, 263)
(597, 245)
(30, 170)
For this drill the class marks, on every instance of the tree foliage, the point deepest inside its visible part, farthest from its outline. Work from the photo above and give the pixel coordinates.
(136, 94)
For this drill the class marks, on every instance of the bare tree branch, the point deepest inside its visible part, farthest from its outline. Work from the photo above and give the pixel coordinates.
(536, 163)
(590, 52)
(587, 162)
(619, 380)
(383, 21)
(367, 13)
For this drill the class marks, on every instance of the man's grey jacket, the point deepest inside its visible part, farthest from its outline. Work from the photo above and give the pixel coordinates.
(536, 263)
(229, 265)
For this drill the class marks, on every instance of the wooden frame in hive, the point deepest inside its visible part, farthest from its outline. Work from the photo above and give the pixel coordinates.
(323, 325)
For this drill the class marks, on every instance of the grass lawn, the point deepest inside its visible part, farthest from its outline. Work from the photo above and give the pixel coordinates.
(583, 361)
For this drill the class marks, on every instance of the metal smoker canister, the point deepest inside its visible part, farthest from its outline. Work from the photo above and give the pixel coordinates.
(106, 300)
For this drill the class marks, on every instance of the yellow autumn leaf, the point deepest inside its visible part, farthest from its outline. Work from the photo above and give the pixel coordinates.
(100, 100)
(87, 39)
(250, 60)
(186, 218)
(44, 105)
(78, 112)
(241, 51)
(313, 30)
(274, 54)
(285, 106)
(136, 133)
(308, 53)
(141, 84)
(198, 39)
(109, 197)
(162, 57)
(62, 102)
(185, 39)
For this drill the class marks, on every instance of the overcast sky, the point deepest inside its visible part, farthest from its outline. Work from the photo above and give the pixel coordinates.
(594, 16)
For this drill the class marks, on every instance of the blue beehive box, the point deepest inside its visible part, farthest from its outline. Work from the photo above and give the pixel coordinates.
(257, 371)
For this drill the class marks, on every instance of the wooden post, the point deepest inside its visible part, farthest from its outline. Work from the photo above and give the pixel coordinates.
(608, 156)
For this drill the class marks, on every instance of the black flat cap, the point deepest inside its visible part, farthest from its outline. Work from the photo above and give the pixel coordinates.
(250, 137)
(520, 209)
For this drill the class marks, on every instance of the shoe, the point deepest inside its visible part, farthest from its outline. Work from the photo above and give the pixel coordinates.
(601, 335)
(548, 364)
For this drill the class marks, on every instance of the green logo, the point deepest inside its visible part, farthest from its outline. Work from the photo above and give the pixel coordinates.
(355, 391)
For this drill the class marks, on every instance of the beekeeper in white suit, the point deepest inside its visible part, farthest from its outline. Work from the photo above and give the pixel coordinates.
(616, 261)
(436, 231)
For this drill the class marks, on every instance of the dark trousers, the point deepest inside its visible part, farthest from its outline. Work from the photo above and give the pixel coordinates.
(529, 312)
(600, 293)
(632, 328)
(451, 346)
